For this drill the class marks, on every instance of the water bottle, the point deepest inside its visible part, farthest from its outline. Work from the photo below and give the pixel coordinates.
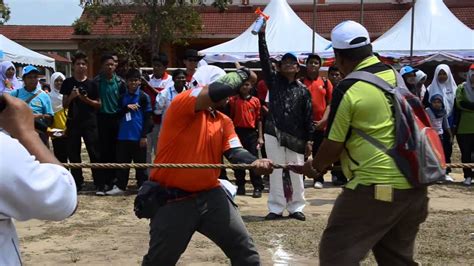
(260, 22)
(257, 26)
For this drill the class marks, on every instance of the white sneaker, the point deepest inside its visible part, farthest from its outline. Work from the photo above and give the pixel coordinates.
(318, 185)
(468, 181)
(448, 178)
(115, 191)
(100, 193)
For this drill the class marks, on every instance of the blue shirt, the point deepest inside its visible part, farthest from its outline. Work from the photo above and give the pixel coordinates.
(41, 104)
(132, 129)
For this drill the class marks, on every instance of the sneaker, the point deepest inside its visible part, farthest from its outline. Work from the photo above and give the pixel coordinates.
(257, 193)
(273, 216)
(448, 178)
(318, 185)
(115, 191)
(298, 216)
(100, 192)
(241, 190)
(467, 181)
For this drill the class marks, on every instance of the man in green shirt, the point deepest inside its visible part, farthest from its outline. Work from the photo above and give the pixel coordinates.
(111, 86)
(378, 209)
(464, 128)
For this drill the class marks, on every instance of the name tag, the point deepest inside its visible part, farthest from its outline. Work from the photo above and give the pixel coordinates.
(128, 116)
(384, 193)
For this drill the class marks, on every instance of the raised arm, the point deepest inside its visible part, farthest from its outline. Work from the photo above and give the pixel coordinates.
(269, 74)
(217, 93)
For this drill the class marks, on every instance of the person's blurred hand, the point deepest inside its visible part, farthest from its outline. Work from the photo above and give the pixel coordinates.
(262, 166)
(17, 117)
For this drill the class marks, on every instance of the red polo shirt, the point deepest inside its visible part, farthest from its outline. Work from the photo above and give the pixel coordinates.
(245, 113)
(320, 96)
(262, 90)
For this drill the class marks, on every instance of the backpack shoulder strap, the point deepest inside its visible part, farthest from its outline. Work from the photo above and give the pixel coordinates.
(372, 79)
(371, 140)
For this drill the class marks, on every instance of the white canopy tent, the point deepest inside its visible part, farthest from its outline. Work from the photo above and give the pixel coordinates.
(285, 32)
(12, 51)
(436, 32)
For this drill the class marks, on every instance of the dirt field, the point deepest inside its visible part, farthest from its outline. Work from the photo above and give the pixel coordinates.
(104, 231)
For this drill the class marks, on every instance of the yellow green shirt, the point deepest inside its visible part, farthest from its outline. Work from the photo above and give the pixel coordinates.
(357, 104)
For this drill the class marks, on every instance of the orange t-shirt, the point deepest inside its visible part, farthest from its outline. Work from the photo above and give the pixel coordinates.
(188, 136)
(245, 113)
(320, 96)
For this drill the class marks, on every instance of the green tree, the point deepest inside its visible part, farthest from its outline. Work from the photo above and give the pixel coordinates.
(155, 21)
(4, 13)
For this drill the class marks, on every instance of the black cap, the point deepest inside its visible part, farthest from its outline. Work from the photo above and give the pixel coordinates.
(193, 54)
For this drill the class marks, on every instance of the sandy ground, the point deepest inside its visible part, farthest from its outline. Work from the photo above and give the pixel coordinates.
(104, 231)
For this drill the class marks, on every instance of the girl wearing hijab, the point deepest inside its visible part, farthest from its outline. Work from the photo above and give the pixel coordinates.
(58, 128)
(420, 80)
(465, 123)
(8, 80)
(443, 84)
(439, 121)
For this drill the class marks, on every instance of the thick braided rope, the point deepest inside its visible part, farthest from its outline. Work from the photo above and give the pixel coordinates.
(196, 166)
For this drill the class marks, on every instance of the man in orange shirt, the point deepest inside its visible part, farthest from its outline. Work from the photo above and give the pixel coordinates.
(206, 208)
(245, 113)
(321, 95)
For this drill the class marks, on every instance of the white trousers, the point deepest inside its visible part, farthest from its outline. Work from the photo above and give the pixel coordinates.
(276, 200)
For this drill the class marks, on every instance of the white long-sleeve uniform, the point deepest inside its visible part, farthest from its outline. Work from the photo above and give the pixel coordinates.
(29, 190)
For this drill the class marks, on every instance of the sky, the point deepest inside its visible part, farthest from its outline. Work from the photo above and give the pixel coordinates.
(43, 12)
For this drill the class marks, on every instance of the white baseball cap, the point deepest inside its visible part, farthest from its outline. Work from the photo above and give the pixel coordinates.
(348, 35)
(206, 75)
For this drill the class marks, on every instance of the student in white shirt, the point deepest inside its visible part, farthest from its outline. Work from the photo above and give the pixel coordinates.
(33, 184)
(164, 98)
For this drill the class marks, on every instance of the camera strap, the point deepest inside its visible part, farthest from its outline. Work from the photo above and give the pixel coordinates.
(27, 101)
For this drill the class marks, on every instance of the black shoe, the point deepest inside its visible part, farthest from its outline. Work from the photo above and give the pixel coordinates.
(273, 216)
(257, 193)
(298, 216)
(241, 190)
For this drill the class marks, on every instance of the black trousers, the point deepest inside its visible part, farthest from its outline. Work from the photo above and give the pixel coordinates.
(108, 126)
(466, 145)
(91, 139)
(448, 149)
(128, 151)
(60, 146)
(248, 137)
(318, 138)
(44, 137)
(210, 213)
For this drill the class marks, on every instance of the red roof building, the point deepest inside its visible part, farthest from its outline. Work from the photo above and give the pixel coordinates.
(378, 18)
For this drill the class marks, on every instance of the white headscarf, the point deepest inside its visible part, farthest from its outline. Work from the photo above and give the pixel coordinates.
(447, 89)
(4, 66)
(56, 97)
(468, 91)
(420, 76)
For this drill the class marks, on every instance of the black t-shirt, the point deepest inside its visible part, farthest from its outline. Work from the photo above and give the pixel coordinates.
(80, 113)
